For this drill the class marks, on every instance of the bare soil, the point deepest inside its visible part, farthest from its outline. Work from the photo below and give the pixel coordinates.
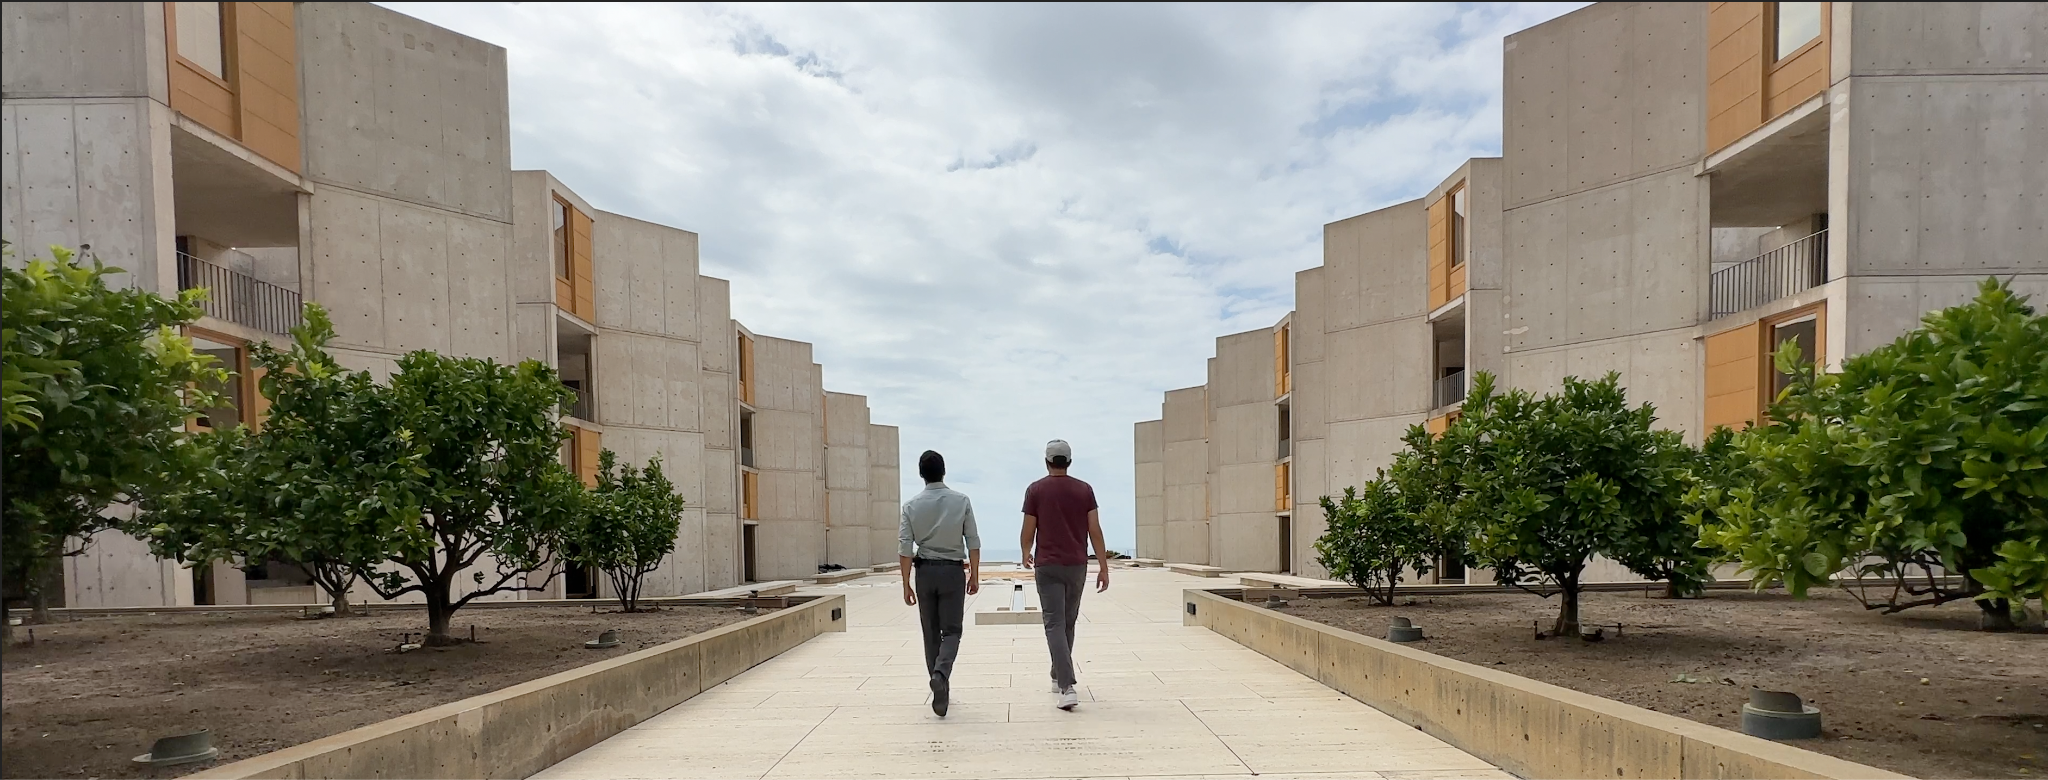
(90, 695)
(1981, 712)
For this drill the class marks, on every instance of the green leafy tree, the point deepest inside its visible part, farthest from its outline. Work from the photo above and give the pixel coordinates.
(489, 481)
(1374, 535)
(629, 526)
(1551, 482)
(326, 483)
(1922, 458)
(98, 385)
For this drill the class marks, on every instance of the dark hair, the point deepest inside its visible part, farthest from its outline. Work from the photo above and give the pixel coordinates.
(1059, 461)
(932, 466)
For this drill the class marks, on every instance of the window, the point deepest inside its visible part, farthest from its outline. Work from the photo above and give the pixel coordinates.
(561, 229)
(199, 37)
(1461, 242)
(1797, 25)
(230, 392)
(1801, 332)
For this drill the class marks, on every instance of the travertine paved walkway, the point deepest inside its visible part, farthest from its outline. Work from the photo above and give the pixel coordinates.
(1157, 700)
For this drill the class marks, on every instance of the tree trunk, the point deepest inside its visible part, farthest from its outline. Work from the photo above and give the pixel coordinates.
(48, 578)
(39, 606)
(1567, 612)
(1995, 615)
(1671, 590)
(439, 614)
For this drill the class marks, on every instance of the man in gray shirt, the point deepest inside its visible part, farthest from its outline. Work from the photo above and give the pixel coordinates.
(938, 539)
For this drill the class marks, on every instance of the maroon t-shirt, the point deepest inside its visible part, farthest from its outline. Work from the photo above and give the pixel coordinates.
(1061, 504)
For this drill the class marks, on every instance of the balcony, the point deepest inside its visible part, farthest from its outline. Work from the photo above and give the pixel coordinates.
(233, 296)
(1788, 270)
(1448, 390)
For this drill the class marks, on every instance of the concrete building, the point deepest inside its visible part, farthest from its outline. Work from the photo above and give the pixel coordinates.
(352, 156)
(1682, 188)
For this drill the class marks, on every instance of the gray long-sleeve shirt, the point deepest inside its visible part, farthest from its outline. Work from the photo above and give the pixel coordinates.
(937, 523)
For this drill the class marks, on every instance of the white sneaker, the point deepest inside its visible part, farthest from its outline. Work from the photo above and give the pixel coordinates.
(1069, 699)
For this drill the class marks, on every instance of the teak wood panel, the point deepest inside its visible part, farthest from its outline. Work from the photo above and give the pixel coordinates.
(750, 495)
(1283, 499)
(257, 103)
(1439, 252)
(579, 266)
(1734, 377)
(1283, 380)
(747, 380)
(266, 80)
(1747, 85)
(587, 450)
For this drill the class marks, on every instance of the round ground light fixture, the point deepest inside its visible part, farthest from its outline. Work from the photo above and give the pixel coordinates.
(608, 639)
(186, 748)
(1404, 630)
(1778, 715)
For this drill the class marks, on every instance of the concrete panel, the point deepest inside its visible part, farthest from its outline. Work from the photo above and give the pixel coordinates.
(1309, 322)
(1880, 309)
(83, 50)
(1943, 175)
(1187, 542)
(721, 550)
(1185, 414)
(90, 172)
(412, 244)
(1311, 482)
(532, 261)
(1376, 267)
(1670, 247)
(439, 130)
(479, 291)
(1244, 372)
(1379, 370)
(781, 441)
(1248, 541)
(1308, 408)
(679, 285)
(117, 570)
(717, 409)
(1246, 433)
(1149, 442)
(1359, 449)
(1948, 38)
(1605, 93)
(347, 266)
(715, 329)
(787, 549)
(1245, 488)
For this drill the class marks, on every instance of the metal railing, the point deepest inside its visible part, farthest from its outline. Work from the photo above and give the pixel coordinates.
(583, 409)
(1788, 270)
(239, 298)
(1449, 390)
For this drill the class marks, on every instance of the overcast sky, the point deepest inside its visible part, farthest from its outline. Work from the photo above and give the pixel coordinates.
(1009, 223)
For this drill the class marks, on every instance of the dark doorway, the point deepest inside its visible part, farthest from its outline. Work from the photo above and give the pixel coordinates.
(578, 582)
(1450, 566)
(202, 585)
(1286, 544)
(747, 553)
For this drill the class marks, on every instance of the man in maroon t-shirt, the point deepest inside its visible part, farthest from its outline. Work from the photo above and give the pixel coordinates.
(1059, 512)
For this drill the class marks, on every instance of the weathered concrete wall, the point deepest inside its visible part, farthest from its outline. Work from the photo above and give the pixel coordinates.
(717, 390)
(412, 204)
(1244, 439)
(1150, 478)
(88, 171)
(649, 371)
(788, 445)
(849, 497)
(1376, 361)
(440, 134)
(83, 50)
(521, 730)
(1528, 728)
(1934, 158)
(885, 492)
(1308, 408)
(1185, 429)
(1605, 225)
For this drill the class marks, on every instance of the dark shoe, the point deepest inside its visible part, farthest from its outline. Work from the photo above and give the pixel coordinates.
(940, 693)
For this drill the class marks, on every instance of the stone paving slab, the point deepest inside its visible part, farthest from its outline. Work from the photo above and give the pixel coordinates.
(1158, 700)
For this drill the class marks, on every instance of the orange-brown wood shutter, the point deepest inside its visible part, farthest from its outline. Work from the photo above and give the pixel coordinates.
(750, 495)
(581, 277)
(1439, 252)
(588, 449)
(1735, 373)
(1282, 491)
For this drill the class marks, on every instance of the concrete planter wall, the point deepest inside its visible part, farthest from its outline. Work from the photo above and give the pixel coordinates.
(518, 731)
(1532, 729)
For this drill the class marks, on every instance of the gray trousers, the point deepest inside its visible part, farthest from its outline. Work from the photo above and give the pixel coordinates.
(1059, 599)
(941, 599)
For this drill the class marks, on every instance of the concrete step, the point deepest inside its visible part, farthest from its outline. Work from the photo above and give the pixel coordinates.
(774, 588)
(843, 575)
(1147, 563)
(1195, 570)
(1264, 580)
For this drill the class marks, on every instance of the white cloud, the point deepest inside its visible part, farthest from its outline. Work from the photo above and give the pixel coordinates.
(1003, 223)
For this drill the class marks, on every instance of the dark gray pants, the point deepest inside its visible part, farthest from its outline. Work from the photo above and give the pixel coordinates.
(941, 599)
(1059, 598)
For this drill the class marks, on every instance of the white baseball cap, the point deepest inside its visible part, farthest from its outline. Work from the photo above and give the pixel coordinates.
(1058, 448)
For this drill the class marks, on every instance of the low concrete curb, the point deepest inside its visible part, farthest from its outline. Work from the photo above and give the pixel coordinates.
(1529, 728)
(521, 730)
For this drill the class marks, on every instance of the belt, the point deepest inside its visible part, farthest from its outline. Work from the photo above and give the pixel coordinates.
(936, 562)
